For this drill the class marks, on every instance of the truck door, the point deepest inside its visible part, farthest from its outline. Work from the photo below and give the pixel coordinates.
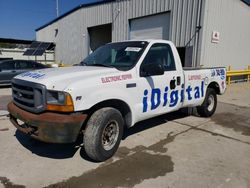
(159, 92)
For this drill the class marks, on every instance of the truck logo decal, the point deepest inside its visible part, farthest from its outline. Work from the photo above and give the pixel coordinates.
(218, 72)
(116, 78)
(157, 98)
(19, 95)
(34, 75)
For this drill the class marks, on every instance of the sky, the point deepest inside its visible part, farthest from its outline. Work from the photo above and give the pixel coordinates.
(20, 18)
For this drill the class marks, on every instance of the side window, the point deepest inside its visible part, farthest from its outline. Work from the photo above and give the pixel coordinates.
(8, 65)
(160, 53)
(23, 65)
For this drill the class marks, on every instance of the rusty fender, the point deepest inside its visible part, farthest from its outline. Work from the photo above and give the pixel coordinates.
(48, 126)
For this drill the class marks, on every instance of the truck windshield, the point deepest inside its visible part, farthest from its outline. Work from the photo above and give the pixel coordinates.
(122, 55)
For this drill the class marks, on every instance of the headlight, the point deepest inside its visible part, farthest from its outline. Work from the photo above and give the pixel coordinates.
(56, 97)
(59, 101)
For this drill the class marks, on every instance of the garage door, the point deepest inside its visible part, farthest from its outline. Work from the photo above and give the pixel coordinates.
(150, 27)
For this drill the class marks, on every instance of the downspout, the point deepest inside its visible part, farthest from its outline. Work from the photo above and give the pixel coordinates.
(198, 35)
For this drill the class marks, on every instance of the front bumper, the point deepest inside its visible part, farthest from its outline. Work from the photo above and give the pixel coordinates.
(47, 127)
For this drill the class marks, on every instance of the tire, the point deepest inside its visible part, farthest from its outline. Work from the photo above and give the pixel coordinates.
(103, 134)
(209, 105)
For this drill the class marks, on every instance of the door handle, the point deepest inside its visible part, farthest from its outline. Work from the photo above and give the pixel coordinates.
(13, 71)
(178, 80)
(175, 82)
(172, 84)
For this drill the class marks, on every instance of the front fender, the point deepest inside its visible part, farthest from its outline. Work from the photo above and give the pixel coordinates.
(91, 99)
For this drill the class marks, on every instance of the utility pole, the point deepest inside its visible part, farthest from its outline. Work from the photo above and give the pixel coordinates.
(57, 8)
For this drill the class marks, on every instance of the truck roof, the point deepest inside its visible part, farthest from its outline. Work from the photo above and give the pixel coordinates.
(147, 40)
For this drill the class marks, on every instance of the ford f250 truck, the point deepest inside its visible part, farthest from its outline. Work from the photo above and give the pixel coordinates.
(115, 87)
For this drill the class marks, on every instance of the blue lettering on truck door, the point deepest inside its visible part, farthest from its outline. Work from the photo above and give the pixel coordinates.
(156, 96)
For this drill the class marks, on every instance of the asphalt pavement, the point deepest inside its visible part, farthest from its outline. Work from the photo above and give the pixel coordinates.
(174, 150)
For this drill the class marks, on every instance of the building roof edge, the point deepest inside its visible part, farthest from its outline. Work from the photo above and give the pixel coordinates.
(74, 10)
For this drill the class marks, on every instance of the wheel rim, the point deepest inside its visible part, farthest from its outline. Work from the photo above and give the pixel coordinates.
(211, 103)
(110, 135)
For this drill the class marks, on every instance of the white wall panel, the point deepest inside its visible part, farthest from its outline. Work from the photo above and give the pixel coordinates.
(231, 18)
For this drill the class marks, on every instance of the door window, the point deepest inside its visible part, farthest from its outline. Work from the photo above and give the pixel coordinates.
(160, 54)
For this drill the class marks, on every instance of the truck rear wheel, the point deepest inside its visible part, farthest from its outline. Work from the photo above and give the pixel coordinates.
(103, 134)
(209, 105)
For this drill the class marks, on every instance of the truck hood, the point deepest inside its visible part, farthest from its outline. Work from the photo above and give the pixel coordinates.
(60, 78)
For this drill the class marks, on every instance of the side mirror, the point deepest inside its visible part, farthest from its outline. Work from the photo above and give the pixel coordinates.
(152, 69)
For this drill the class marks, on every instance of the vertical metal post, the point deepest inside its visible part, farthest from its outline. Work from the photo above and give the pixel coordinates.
(198, 30)
(45, 58)
(54, 55)
(229, 77)
(248, 77)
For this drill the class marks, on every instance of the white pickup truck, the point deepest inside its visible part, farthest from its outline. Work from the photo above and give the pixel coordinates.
(117, 85)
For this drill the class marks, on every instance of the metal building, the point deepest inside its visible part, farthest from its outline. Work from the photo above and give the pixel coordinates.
(206, 32)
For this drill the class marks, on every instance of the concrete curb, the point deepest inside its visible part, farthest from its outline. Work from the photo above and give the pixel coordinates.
(3, 113)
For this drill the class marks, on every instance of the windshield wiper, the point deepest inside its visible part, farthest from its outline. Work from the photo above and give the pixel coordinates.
(100, 65)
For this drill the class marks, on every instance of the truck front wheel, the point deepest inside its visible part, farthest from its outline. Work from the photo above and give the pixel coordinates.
(103, 133)
(209, 105)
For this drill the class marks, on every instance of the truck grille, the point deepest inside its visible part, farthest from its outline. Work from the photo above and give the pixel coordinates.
(28, 95)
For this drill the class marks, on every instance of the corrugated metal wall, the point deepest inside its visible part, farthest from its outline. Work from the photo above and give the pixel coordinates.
(231, 18)
(72, 40)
